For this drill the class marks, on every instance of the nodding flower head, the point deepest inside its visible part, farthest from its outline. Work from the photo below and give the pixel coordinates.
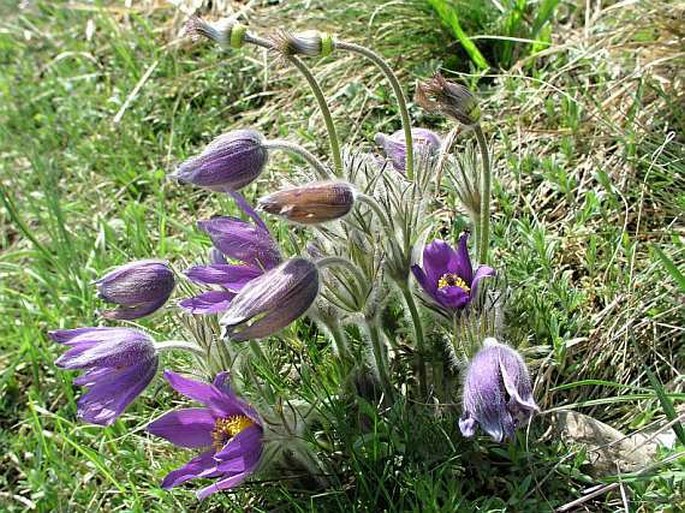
(497, 395)
(314, 203)
(139, 288)
(231, 161)
(118, 363)
(224, 32)
(395, 147)
(227, 429)
(272, 301)
(449, 99)
(309, 42)
(447, 275)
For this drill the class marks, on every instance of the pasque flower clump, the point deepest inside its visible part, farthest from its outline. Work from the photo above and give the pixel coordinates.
(367, 222)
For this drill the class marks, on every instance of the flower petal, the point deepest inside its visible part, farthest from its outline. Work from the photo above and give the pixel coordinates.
(467, 426)
(430, 287)
(436, 258)
(222, 403)
(202, 465)
(453, 297)
(214, 301)
(190, 427)
(482, 272)
(460, 261)
(113, 391)
(231, 277)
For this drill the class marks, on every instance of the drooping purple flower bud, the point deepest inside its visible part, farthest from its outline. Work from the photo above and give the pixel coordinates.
(272, 301)
(395, 147)
(314, 203)
(309, 42)
(449, 99)
(447, 275)
(241, 240)
(498, 395)
(231, 161)
(118, 363)
(139, 288)
(227, 428)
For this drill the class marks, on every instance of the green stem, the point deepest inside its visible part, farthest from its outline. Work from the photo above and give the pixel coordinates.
(418, 330)
(312, 160)
(318, 94)
(337, 260)
(380, 357)
(184, 345)
(340, 340)
(484, 236)
(397, 89)
(368, 200)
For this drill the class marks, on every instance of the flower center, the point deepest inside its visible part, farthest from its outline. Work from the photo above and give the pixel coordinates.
(452, 280)
(227, 428)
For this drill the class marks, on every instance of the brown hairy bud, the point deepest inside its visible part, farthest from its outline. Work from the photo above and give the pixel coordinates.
(314, 203)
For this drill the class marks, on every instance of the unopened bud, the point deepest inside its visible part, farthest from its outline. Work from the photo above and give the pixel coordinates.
(449, 99)
(310, 42)
(314, 203)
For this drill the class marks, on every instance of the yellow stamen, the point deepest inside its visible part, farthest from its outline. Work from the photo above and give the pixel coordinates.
(452, 280)
(227, 428)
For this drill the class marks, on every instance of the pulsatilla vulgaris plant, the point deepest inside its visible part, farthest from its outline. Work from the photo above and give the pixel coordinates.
(370, 252)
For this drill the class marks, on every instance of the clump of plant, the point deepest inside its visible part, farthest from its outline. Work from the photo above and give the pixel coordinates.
(366, 220)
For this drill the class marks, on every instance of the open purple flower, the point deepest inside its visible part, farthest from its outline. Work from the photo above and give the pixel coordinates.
(395, 147)
(235, 239)
(139, 288)
(232, 161)
(227, 428)
(272, 301)
(119, 364)
(498, 395)
(447, 275)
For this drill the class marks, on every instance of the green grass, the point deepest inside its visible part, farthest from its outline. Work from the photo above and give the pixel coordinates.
(589, 196)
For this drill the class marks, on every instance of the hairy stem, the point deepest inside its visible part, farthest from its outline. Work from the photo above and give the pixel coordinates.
(418, 330)
(344, 262)
(318, 95)
(184, 345)
(395, 84)
(312, 160)
(380, 357)
(484, 236)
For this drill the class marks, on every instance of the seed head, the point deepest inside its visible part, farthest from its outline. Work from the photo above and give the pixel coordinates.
(450, 99)
(310, 42)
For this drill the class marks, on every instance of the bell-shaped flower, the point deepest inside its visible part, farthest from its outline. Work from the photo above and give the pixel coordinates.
(228, 430)
(139, 288)
(231, 161)
(447, 275)
(424, 142)
(118, 363)
(497, 395)
(272, 301)
(249, 243)
(314, 203)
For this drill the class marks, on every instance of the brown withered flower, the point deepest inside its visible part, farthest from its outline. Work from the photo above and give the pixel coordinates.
(310, 42)
(314, 203)
(448, 98)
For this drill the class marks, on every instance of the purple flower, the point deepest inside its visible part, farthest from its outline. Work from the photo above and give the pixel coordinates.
(118, 363)
(236, 239)
(231, 161)
(228, 428)
(139, 288)
(447, 276)
(272, 301)
(498, 395)
(395, 147)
